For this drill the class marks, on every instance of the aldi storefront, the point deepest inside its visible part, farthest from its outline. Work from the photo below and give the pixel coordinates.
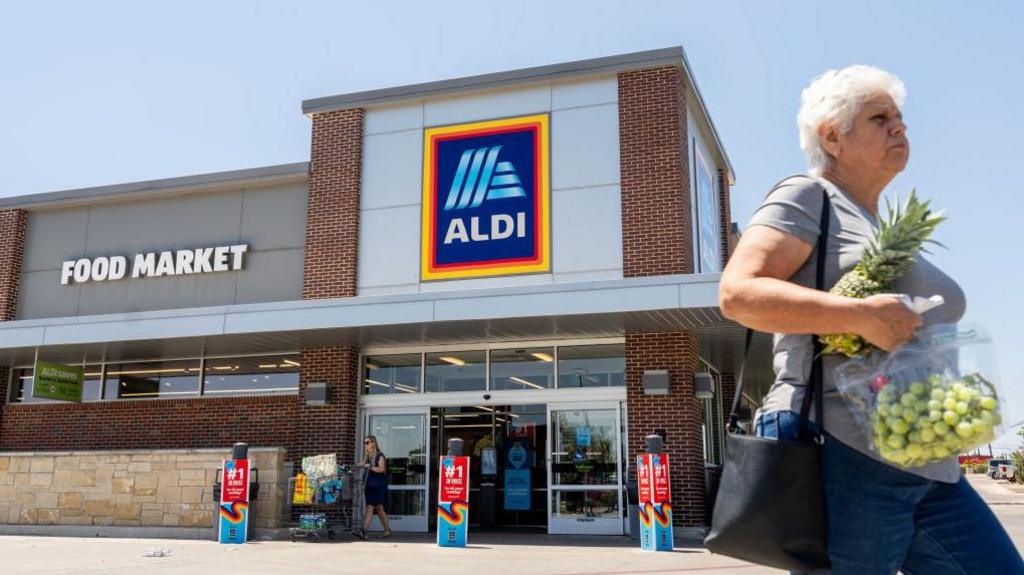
(526, 260)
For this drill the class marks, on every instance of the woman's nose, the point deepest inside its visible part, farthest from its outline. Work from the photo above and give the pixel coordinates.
(900, 128)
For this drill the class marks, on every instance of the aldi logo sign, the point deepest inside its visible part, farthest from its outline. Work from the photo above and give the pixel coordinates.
(486, 199)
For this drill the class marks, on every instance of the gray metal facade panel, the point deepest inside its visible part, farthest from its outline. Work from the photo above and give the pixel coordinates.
(280, 273)
(154, 188)
(271, 219)
(649, 58)
(52, 237)
(274, 217)
(164, 224)
(41, 295)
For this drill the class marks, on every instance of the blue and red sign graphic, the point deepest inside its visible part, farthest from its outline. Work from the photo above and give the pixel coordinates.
(486, 200)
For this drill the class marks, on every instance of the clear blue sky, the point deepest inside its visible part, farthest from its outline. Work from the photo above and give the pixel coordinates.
(106, 92)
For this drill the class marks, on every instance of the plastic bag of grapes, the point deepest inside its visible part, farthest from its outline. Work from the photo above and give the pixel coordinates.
(932, 399)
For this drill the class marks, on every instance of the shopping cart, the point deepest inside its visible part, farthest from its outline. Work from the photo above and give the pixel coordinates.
(315, 518)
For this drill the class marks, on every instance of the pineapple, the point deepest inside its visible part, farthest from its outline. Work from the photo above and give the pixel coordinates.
(889, 254)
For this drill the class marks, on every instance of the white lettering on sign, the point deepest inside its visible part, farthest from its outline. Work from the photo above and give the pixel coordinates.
(154, 264)
(502, 226)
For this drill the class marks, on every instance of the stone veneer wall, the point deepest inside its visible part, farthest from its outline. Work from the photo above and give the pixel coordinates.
(152, 488)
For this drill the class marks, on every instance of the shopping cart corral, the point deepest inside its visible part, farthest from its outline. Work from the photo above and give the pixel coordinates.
(322, 498)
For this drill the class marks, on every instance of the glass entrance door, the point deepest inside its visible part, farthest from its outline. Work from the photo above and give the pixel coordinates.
(585, 469)
(404, 439)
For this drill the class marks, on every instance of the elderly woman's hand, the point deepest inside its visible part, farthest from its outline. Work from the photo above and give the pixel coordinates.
(886, 321)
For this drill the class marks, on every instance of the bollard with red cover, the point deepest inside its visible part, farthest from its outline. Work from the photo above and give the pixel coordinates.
(453, 497)
(655, 497)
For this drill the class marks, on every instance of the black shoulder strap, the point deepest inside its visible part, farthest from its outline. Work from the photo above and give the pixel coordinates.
(815, 388)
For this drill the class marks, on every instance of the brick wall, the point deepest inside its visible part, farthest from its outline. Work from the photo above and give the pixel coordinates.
(655, 183)
(329, 428)
(332, 217)
(12, 247)
(678, 413)
(153, 424)
(266, 420)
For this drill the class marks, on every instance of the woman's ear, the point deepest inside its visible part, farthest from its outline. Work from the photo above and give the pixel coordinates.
(828, 135)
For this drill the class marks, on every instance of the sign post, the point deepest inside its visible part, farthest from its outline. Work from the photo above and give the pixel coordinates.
(453, 497)
(234, 501)
(57, 381)
(652, 474)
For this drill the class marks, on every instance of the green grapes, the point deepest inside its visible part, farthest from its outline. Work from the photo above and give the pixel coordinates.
(918, 422)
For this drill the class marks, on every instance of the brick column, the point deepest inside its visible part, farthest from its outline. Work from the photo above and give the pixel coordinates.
(329, 428)
(655, 183)
(330, 266)
(332, 217)
(678, 413)
(726, 216)
(12, 247)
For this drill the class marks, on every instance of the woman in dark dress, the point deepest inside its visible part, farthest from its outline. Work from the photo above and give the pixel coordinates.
(376, 487)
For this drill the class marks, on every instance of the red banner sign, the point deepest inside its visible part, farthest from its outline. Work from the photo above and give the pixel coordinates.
(643, 477)
(235, 481)
(454, 484)
(659, 471)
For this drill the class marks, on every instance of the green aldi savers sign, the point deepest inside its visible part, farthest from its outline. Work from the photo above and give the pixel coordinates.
(57, 381)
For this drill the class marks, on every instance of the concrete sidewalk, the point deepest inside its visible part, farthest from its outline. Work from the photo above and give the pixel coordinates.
(490, 554)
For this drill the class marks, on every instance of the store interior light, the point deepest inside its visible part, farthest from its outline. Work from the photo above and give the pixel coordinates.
(522, 381)
(372, 366)
(452, 360)
(142, 371)
(543, 356)
(291, 363)
(267, 365)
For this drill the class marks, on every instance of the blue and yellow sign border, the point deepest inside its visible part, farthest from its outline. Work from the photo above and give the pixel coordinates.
(541, 262)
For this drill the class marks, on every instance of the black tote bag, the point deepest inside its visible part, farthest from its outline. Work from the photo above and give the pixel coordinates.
(770, 507)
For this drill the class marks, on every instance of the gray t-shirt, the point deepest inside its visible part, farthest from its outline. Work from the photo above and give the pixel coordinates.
(794, 207)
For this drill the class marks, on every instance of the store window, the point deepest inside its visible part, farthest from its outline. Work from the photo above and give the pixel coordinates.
(153, 379)
(21, 383)
(532, 368)
(392, 373)
(592, 365)
(456, 371)
(263, 375)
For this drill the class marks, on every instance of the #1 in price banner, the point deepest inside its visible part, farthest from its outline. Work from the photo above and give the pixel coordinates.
(234, 501)
(453, 501)
(652, 474)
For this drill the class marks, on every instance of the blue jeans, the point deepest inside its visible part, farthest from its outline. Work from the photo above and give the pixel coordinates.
(883, 520)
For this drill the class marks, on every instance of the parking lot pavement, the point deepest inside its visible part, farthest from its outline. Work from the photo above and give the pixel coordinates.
(1006, 500)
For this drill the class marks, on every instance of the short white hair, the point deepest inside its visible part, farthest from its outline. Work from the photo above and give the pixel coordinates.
(834, 98)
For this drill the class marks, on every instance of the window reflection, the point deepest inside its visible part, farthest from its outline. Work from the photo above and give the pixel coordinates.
(144, 380)
(265, 375)
(531, 368)
(392, 373)
(592, 365)
(456, 371)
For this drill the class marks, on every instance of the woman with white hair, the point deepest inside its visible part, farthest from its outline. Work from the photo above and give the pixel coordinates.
(880, 518)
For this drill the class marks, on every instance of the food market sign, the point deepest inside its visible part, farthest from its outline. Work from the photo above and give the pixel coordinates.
(154, 264)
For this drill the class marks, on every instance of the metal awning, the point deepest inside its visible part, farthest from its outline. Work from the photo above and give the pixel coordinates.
(550, 311)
